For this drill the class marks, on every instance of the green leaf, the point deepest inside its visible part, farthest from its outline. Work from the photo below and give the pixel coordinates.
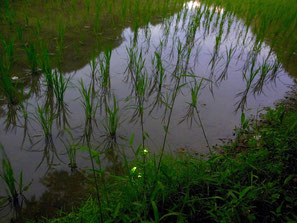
(116, 212)
(156, 212)
(288, 179)
(131, 139)
(275, 196)
(169, 214)
(245, 191)
(242, 118)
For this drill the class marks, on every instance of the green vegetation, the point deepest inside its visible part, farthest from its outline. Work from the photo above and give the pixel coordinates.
(253, 178)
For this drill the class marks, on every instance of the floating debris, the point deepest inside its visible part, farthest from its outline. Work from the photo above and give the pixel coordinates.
(181, 150)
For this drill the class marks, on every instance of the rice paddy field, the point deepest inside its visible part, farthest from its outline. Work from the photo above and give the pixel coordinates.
(88, 85)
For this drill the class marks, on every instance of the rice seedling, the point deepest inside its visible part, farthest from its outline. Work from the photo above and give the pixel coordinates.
(60, 41)
(9, 50)
(32, 57)
(45, 118)
(97, 16)
(105, 69)
(7, 85)
(88, 3)
(46, 68)
(124, 10)
(60, 85)
(88, 97)
(93, 65)
(74, 5)
(19, 31)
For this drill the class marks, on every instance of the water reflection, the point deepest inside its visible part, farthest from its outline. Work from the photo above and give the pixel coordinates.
(64, 191)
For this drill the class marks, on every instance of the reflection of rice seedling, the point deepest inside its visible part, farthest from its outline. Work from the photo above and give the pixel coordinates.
(15, 187)
(60, 86)
(12, 117)
(158, 79)
(249, 84)
(112, 120)
(193, 107)
(71, 149)
(229, 55)
(159, 71)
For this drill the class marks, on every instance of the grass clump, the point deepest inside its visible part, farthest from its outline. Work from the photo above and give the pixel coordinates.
(251, 179)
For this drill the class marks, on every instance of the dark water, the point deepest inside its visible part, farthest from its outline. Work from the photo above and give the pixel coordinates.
(224, 95)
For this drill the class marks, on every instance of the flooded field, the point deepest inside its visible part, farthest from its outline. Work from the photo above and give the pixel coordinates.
(123, 76)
